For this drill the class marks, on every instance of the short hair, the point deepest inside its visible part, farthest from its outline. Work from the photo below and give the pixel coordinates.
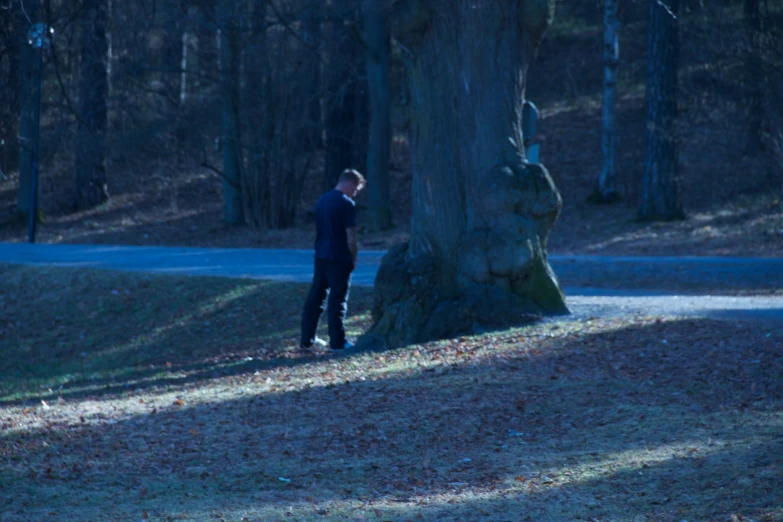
(353, 176)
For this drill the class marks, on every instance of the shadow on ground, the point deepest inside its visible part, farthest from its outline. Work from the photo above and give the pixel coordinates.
(75, 333)
(664, 420)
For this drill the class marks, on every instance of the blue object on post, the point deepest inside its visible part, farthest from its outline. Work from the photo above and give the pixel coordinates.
(529, 122)
(531, 153)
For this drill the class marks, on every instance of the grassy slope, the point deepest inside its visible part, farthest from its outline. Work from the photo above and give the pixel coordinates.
(192, 407)
(82, 329)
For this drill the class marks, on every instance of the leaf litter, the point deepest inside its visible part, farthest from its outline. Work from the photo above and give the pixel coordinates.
(139, 411)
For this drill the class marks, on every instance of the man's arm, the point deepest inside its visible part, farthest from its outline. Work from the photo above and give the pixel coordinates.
(352, 244)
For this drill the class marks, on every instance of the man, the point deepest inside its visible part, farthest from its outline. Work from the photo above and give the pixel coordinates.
(335, 259)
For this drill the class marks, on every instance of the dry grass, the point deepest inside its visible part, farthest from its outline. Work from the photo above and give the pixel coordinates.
(127, 397)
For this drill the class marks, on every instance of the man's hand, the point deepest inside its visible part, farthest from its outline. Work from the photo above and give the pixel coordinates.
(353, 246)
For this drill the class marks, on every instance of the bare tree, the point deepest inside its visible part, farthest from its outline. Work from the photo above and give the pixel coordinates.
(28, 78)
(377, 38)
(607, 182)
(90, 180)
(661, 193)
(481, 213)
(313, 40)
(229, 94)
(259, 129)
(11, 40)
(172, 32)
(278, 123)
(754, 76)
(347, 103)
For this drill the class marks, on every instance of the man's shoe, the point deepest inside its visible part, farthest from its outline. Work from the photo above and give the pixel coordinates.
(347, 346)
(317, 343)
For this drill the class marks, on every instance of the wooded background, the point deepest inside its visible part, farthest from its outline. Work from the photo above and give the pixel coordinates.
(277, 97)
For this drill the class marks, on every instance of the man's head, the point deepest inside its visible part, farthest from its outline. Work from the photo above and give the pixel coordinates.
(351, 182)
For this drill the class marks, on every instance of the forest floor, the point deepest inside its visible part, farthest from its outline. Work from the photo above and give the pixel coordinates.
(197, 407)
(733, 200)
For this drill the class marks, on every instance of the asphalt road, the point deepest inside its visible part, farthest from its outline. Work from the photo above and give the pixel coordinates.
(575, 273)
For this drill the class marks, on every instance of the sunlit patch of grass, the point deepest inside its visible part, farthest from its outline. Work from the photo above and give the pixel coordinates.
(211, 306)
(75, 330)
(554, 421)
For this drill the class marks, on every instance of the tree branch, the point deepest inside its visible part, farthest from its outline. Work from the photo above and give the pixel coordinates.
(205, 163)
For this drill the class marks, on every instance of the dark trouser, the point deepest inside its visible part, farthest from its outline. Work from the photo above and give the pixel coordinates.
(334, 276)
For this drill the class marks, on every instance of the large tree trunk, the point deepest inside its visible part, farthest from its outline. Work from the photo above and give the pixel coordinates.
(607, 182)
(661, 197)
(377, 37)
(229, 95)
(481, 213)
(90, 180)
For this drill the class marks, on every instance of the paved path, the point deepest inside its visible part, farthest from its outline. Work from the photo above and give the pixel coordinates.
(573, 271)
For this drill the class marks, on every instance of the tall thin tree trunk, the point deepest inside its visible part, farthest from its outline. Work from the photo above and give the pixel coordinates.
(339, 133)
(361, 126)
(313, 40)
(661, 195)
(206, 60)
(754, 76)
(174, 30)
(109, 60)
(183, 75)
(90, 184)
(27, 105)
(9, 97)
(229, 94)
(607, 182)
(255, 99)
(376, 30)
(341, 115)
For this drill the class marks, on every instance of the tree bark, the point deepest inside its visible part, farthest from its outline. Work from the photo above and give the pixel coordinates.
(186, 59)
(205, 56)
(754, 76)
(361, 127)
(229, 95)
(607, 182)
(90, 184)
(341, 115)
(481, 212)
(661, 197)
(12, 33)
(377, 38)
(312, 38)
(171, 55)
(27, 71)
(260, 122)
